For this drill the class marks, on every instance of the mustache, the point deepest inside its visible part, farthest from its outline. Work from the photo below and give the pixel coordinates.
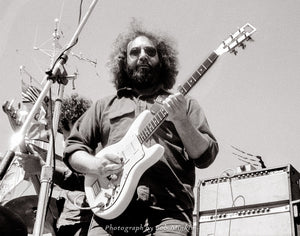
(144, 64)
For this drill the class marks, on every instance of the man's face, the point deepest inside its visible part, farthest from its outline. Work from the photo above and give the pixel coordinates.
(142, 63)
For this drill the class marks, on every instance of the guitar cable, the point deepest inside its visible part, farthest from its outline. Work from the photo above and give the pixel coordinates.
(75, 202)
(217, 195)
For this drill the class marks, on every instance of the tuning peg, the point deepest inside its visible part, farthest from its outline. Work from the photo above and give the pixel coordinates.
(243, 46)
(250, 39)
(234, 52)
(241, 30)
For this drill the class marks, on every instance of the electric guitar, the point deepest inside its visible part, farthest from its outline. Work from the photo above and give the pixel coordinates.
(109, 197)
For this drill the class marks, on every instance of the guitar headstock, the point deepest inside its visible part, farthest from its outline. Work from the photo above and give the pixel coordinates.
(237, 39)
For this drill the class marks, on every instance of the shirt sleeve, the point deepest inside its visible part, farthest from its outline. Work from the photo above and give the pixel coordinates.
(199, 120)
(83, 136)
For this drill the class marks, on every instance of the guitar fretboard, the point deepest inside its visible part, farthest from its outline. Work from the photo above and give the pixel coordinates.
(162, 114)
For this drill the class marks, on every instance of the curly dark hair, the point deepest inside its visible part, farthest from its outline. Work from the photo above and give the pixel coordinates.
(72, 108)
(166, 53)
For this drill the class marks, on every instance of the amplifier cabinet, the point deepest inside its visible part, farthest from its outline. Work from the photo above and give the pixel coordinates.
(254, 203)
(259, 221)
(248, 188)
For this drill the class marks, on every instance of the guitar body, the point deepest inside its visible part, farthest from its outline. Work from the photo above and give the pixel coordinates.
(110, 197)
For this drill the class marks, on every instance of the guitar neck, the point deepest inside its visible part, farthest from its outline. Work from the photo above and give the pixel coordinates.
(162, 114)
(197, 75)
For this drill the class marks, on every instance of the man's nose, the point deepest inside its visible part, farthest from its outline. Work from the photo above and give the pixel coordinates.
(142, 54)
(143, 57)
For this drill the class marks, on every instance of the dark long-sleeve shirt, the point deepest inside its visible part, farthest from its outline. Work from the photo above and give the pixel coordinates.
(172, 178)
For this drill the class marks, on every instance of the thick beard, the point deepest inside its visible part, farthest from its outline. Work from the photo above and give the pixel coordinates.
(143, 78)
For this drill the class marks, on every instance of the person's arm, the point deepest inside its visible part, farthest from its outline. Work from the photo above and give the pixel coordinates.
(83, 140)
(104, 165)
(32, 165)
(196, 143)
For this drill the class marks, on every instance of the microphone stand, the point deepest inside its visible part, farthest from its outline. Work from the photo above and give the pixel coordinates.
(47, 171)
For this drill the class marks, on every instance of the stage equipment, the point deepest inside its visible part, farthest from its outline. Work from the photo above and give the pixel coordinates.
(260, 202)
(57, 74)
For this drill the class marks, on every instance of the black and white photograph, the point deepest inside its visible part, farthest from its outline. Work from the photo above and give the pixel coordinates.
(149, 117)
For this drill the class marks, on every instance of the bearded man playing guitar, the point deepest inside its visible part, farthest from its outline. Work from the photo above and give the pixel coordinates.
(144, 66)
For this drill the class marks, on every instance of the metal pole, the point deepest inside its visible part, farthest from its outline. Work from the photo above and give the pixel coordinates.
(46, 174)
